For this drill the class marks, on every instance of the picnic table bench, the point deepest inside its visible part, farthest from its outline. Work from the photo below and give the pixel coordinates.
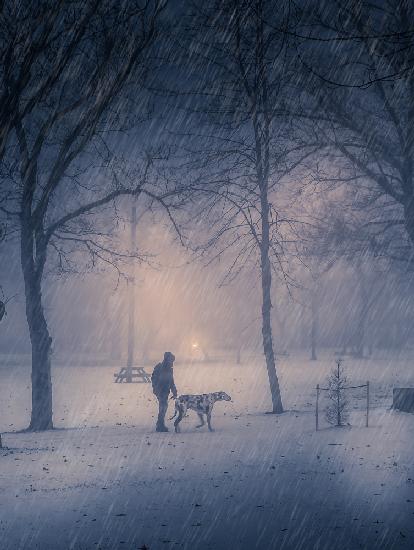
(133, 374)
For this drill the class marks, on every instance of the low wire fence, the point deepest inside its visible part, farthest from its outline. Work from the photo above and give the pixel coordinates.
(320, 389)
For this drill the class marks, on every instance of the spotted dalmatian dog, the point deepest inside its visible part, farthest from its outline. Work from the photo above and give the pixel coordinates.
(202, 404)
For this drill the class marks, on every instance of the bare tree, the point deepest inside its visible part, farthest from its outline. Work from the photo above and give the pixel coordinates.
(70, 72)
(244, 75)
(315, 319)
(358, 56)
(341, 236)
(3, 300)
(29, 32)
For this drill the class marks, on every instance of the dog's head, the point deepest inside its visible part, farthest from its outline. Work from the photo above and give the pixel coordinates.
(222, 396)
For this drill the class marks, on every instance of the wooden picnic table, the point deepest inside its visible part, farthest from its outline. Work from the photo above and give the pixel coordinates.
(133, 374)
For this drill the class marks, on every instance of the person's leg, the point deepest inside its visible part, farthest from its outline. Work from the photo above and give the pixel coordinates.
(162, 411)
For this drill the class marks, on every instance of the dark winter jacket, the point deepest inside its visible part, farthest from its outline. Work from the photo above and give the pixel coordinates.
(163, 380)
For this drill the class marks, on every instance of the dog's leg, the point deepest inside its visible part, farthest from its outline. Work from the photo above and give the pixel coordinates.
(181, 414)
(177, 422)
(201, 417)
(209, 421)
(176, 410)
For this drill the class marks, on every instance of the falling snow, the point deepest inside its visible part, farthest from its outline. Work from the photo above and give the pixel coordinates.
(231, 181)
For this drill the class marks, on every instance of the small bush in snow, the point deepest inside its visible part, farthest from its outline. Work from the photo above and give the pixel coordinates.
(337, 412)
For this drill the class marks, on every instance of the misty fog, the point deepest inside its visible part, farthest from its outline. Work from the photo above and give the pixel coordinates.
(206, 274)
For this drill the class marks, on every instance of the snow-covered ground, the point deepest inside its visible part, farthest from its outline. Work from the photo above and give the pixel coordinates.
(104, 479)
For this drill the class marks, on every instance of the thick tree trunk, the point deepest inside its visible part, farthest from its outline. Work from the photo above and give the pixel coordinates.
(267, 307)
(32, 260)
(42, 411)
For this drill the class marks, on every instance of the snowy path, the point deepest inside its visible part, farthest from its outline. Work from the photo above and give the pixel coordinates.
(258, 481)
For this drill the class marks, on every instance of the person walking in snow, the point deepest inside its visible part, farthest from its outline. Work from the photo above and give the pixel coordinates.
(162, 383)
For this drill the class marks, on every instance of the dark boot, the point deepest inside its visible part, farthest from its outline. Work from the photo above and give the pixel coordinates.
(161, 429)
(163, 406)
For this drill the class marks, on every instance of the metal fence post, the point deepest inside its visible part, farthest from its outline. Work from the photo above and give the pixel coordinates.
(317, 408)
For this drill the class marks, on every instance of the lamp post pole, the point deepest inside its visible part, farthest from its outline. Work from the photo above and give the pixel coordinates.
(131, 299)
